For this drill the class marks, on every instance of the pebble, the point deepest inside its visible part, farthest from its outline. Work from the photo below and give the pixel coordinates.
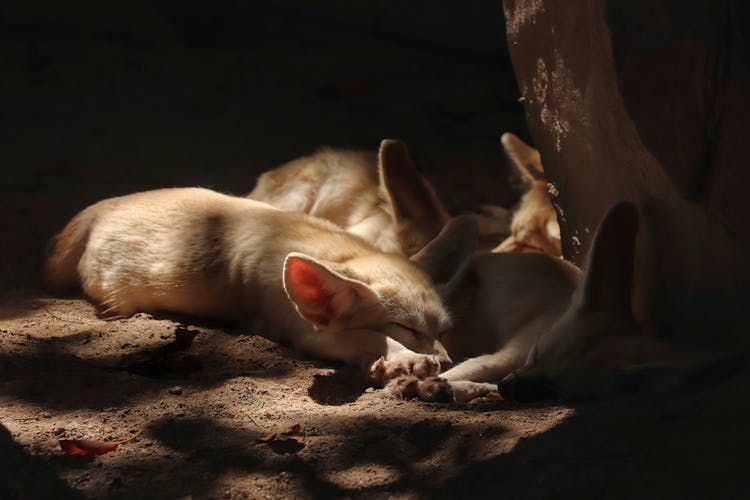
(176, 390)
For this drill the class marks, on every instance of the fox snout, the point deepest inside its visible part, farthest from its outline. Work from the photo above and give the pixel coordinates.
(442, 356)
(527, 388)
(445, 364)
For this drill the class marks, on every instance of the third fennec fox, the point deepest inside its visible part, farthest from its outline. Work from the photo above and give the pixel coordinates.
(312, 285)
(534, 226)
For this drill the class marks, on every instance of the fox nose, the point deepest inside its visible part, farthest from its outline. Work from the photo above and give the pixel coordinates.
(507, 386)
(526, 389)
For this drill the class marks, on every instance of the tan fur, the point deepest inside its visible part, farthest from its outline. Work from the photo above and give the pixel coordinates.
(549, 333)
(507, 302)
(382, 198)
(534, 227)
(198, 252)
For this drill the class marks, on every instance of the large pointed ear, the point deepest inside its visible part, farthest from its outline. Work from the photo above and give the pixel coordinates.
(447, 257)
(608, 280)
(525, 158)
(412, 198)
(321, 294)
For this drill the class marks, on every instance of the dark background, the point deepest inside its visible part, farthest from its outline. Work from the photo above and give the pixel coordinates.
(106, 98)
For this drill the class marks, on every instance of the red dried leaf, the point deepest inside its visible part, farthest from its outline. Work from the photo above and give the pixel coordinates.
(88, 447)
(294, 430)
(281, 442)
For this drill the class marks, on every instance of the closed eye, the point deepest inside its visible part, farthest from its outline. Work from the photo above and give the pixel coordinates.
(412, 330)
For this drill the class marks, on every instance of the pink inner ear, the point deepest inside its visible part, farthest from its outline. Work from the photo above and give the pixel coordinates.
(308, 291)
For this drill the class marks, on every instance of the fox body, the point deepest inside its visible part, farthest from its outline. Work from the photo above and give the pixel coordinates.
(311, 284)
(558, 332)
(380, 197)
(507, 303)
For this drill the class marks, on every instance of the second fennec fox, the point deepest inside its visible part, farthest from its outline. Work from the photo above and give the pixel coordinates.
(382, 198)
(309, 283)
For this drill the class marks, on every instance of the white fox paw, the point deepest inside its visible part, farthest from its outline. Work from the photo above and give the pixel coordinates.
(403, 387)
(433, 389)
(404, 363)
(436, 390)
(465, 391)
(439, 390)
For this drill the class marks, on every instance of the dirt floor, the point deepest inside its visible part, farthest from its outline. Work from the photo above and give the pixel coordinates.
(104, 102)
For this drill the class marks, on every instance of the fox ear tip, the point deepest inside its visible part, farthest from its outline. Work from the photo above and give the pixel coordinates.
(625, 212)
(625, 206)
(391, 144)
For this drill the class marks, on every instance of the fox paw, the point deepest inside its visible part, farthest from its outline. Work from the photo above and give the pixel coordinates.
(404, 363)
(465, 391)
(433, 389)
(440, 390)
(403, 387)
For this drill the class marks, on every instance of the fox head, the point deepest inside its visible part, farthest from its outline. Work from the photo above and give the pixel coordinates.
(595, 349)
(386, 292)
(534, 227)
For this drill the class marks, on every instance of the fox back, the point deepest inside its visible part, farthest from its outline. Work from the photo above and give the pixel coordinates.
(380, 197)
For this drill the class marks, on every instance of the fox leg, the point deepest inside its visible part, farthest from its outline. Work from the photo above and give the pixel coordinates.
(382, 357)
(470, 379)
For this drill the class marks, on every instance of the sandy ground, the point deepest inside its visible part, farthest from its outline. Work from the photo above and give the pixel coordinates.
(98, 104)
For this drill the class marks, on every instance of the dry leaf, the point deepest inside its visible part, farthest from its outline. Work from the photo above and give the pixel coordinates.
(88, 448)
(282, 443)
(294, 430)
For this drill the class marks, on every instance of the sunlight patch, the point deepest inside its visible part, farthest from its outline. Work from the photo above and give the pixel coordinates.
(364, 476)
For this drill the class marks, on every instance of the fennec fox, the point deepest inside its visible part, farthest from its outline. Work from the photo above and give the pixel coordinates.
(382, 198)
(311, 284)
(534, 226)
(559, 339)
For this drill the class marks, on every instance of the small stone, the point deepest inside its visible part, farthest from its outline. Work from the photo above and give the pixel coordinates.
(46, 414)
(370, 389)
(176, 390)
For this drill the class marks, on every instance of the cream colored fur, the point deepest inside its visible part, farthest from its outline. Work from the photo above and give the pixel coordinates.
(382, 198)
(507, 303)
(312, 285)
(534, 226)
